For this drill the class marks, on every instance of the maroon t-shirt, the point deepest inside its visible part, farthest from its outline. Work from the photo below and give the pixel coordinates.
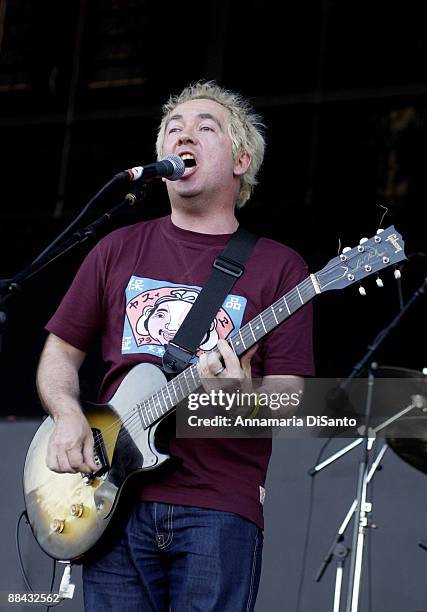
(134, 289)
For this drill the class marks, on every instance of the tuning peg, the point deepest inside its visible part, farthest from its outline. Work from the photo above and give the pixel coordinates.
(343, 257)
(379, 282)
(362, 240)
(397, 274)
(362, 290)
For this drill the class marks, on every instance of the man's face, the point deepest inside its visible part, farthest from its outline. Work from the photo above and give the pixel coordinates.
(199, 129)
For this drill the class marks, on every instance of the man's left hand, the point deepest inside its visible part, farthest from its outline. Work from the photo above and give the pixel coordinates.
(225, 368)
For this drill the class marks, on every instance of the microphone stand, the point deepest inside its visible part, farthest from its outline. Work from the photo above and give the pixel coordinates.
(12, 286)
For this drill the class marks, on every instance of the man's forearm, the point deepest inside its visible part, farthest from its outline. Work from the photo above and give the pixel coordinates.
(57, 377)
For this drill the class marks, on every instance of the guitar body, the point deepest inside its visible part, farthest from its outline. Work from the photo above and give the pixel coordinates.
(68, 515)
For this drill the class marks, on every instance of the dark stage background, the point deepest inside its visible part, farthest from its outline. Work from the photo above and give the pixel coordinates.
(342, 88)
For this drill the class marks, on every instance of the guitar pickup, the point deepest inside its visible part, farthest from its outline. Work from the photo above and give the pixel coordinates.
(100, 456)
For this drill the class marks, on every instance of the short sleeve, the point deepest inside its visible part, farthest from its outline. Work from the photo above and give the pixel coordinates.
(288, 350)
(78, 317)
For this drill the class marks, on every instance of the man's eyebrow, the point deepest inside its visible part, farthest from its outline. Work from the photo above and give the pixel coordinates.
(174, 117)
(209, 116)
(200, 115)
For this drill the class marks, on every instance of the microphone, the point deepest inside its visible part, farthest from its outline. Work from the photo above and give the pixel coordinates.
(171, 167)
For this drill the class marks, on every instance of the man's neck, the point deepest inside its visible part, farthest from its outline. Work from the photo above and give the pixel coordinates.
(219, 221)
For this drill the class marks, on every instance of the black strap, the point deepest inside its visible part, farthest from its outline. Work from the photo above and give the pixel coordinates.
(227, 268)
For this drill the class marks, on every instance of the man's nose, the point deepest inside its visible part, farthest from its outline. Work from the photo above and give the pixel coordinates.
(186, 136)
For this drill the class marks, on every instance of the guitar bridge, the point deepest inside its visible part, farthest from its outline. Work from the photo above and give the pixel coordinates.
(100, 456)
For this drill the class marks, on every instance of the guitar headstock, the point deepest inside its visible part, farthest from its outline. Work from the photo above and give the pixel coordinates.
(384, 249)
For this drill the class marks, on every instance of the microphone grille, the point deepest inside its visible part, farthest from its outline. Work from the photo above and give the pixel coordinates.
(178, 166)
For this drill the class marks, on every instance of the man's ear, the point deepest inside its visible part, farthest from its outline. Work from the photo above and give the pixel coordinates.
(242, 163)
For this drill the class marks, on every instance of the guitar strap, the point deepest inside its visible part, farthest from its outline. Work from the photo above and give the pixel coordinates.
(226, 269)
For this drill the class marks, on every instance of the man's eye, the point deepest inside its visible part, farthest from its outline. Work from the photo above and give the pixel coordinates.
(206, 128)
(174, 129)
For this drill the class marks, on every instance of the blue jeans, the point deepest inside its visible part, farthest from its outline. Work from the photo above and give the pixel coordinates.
(178, 558)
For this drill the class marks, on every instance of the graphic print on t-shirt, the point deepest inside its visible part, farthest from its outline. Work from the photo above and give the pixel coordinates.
(155, 310)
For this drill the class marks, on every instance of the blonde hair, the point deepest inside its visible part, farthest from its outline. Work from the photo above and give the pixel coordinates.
(245, 128)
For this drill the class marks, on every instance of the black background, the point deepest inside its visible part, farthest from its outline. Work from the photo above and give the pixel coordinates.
(342, 89)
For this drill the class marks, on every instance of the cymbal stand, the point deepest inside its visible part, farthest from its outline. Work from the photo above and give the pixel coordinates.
(417, 402)
(360, 522)
(338, 549)
(360, 507)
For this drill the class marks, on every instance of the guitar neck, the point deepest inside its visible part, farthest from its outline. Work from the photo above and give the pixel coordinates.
(370, 256)
(274, 315)
(188, 381)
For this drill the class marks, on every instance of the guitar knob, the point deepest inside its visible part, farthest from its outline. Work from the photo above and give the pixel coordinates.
(397, 274)
(76, 510)
(380, 231)
(362, 240)
(57, 525)
(379, 282)
(346, 249)
(362, 290)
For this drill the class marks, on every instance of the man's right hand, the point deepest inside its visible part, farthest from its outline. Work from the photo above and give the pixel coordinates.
(70, 447)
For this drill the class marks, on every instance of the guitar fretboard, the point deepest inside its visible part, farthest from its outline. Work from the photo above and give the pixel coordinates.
(163, 401)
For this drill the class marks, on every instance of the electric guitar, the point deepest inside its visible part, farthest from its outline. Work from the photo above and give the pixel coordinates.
(69, 513)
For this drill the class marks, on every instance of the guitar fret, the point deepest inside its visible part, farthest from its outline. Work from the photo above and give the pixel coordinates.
(286, 304)
(155, 408)
(159, 403)
(260, 317)
(169, 395)
(192, 374)
(274, 314)
(149, 411)
(299, 295)
(156, 402)
(186, 381)
(182, 394)
(252, 331)
(174, 390)
(165, 403)
(241, 338)
(141, 414)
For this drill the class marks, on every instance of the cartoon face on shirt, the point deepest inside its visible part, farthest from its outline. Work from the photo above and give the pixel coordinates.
(156, 316)
(159, 322)
(164, 318)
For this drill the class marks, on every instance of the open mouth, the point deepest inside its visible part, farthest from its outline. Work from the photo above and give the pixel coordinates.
(189, 160)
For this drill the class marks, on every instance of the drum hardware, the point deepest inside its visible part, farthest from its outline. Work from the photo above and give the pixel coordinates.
(362, 510)
(361, 507)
